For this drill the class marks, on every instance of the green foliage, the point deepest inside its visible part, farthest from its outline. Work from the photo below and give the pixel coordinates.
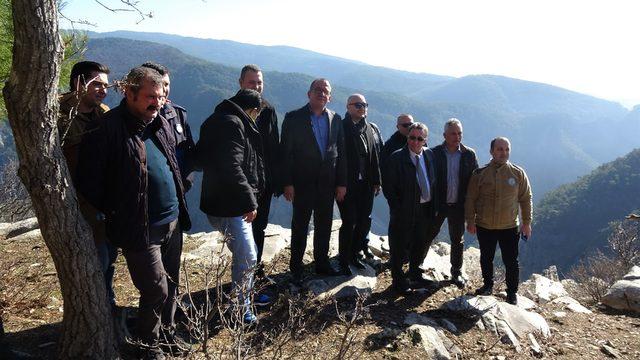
(75, 45)
(6, 44)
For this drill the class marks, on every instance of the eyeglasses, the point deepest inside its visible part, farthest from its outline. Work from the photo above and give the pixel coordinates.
(406, 125)
(360, 105)
(418, 138)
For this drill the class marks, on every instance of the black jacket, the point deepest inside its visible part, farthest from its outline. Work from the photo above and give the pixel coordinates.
(395, 142)
(401, 186)
(176, 116)
(230, 152)
(303, 166)
(468, 163)
(372, 164)
(267, 123)
(112, 175)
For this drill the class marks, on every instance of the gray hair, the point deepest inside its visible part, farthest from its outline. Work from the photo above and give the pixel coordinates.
(138, 75)
(451, 122)
(419, 126)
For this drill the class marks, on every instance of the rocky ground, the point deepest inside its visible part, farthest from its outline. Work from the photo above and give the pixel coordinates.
(355, 317)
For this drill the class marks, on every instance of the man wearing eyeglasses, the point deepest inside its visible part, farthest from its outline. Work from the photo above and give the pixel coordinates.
(314, 173)
(398, 139)
(410, 189)
(455, 164)
(363, 182)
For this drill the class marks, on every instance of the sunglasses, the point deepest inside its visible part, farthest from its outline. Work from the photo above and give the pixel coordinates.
(418, 138)
(406, 125)
(360, 105)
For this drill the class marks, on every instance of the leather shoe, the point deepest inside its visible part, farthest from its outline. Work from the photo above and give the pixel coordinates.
(484, 290)
(422, 283)
(345, 270)
(512, 298)
(459, 281)
(296, 278)
(358, 263)
(327, 269)
(367, 253)
(401, 287)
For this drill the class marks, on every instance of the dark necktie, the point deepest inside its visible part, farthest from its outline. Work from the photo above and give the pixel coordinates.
(422, 180)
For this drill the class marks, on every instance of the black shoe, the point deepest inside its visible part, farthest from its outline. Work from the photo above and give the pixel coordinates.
(422, 283)
(401, 287)
(484, 290)
(345, 270)
(512, 298)
(459, 281)
(326, 269)
(296, 278)
(367, 253)
(172, 344)
(358, 263)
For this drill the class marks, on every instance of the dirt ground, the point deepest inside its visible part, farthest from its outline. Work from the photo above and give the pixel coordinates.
(296, 325)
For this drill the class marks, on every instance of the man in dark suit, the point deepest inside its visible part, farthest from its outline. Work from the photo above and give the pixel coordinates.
(363, 174)
(398, 139)
(455, 164)
(313, 174)
(410, 188)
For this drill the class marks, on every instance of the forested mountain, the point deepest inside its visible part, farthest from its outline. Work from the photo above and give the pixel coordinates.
(573, 220)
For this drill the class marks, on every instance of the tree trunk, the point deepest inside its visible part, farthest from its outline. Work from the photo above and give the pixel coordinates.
(32, 107)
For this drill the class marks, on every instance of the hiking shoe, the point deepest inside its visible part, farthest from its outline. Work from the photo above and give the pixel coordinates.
(484, 290)
(262, 300)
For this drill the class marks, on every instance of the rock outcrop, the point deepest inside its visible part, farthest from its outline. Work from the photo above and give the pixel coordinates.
(625, 293)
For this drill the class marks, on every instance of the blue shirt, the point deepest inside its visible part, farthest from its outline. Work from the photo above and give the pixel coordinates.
(418, 161)
(162, 199)
(320, 126)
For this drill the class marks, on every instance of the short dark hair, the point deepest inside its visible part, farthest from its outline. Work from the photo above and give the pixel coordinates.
(161, 69)
(247, 99)
(140, 74)
(313, 83)
(493, 142)
(82, 71)
(250, 67)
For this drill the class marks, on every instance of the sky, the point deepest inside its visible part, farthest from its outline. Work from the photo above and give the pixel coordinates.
(587, 46)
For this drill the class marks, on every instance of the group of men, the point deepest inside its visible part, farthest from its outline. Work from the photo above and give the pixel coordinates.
(133, 164)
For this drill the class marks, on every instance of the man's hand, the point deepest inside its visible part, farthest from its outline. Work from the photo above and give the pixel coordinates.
(526, 230)
(376, 190)
(288, 193)
(341, 191)
(471, 228)
(250, 216)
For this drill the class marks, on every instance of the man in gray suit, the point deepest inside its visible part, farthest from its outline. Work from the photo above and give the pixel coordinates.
(314, 172)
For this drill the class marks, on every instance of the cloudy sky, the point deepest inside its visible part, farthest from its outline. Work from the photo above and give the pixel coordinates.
(588, 46)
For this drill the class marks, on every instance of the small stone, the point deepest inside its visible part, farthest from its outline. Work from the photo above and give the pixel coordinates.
(609, 351)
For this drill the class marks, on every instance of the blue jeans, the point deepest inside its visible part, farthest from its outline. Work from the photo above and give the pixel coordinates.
(239, 238)
(107, 254)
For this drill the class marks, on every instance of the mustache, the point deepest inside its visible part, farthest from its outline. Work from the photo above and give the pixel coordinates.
(152, 108)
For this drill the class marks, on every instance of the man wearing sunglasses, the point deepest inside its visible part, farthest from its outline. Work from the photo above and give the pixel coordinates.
(455, 163)
(363, 182)
(410, 189)
(314, 173)
(398, 139)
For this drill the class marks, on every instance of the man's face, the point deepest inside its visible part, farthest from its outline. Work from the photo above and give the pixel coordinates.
(319, 95)
(147, 102)
(453, 136)
(416, 140)
(403, 124)
(96, 89)
(357, 107)
(166, 82)
(500, 151)
(252, 80)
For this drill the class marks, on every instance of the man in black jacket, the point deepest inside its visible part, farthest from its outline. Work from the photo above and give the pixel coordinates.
(363, 182)
(410, 189)
(230, 152)
(314, 172)
(455, 163)
(128, 170)
(398, 139)
(267, 123)
(176, 116)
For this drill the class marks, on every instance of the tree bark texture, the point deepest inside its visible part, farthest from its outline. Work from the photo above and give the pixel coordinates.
(32, 106)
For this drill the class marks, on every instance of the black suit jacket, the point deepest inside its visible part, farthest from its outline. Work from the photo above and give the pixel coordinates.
(468, 163)
(303, 166)
(401, 186)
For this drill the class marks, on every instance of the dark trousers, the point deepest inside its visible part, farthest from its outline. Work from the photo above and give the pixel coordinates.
(320, 202)
(455, 218)
(355, 212)
(260, 222)
(508, 240)
(155, 272)
(409, 239)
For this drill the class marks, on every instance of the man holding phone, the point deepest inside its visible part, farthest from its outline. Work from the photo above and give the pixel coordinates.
(496, 194)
